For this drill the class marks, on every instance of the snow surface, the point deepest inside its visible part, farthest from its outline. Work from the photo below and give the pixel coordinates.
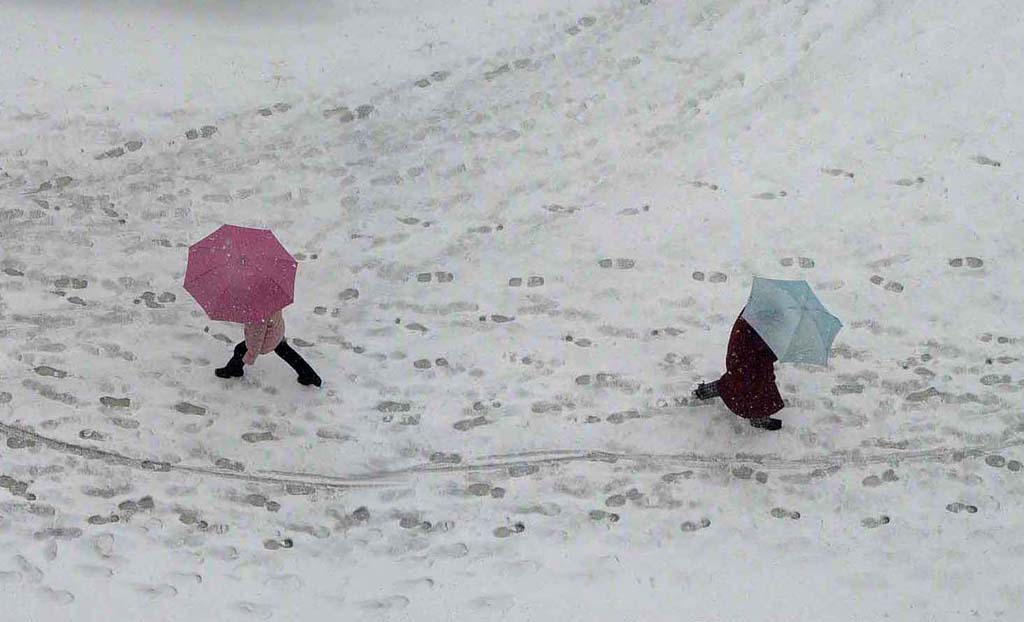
(524, 230)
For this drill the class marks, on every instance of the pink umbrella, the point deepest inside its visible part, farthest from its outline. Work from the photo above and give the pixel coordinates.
(238, 274)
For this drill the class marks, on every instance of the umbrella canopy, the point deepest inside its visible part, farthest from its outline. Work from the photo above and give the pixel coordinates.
(791, 320)
(238, 274)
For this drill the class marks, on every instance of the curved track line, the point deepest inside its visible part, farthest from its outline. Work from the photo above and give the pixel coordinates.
(524, 459)
(91, 453)
(692, 460)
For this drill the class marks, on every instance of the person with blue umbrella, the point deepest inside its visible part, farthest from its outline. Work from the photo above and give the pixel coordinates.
(783, 322)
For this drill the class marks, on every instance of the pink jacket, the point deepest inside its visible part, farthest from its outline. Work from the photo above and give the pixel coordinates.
(263, 337)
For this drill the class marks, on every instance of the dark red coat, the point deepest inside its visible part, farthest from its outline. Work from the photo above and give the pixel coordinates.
(748, 386)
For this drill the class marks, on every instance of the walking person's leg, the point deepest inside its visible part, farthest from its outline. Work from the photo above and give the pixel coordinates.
(235, 367)
(706, 390)
(766, 423)
(306, 374)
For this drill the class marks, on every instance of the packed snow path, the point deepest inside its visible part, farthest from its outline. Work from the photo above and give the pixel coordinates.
(521, 245)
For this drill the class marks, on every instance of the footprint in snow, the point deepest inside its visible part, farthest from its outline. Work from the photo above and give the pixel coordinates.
(803, 262)
(155, 592)
(581, 342)
(468, 424)
(959, 507)
(46, 370)
(480, 489)
(874, 481)
(205, 131)
(257, 610)
(784, 513)
(186, 408)
(275, 545)
(504, 532)
(621, 263)
(533, 281)
(599, 515)
(995, 461)
(343, 114)
(987, 337)
(714, 277)
(117, 152)
(847, 389)
(691, 526)
(279, 107)
(969, 262)
(980, 159)
(257, 437)
(837, 172)
(889, 286)
(385, 604)
(615, 501)
(440, 457)
(229, 465)
(995, 379)
(561, 209)
(907, 181)
(437, 76)
(872, 522)
(442, 277)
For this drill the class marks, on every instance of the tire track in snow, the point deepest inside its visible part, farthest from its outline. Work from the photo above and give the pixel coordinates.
(158, 466)
(522, 460)
(689, 459)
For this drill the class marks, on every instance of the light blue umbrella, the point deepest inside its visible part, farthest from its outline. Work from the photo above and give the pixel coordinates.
(791, 320)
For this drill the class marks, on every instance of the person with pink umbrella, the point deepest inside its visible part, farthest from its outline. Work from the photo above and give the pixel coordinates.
(244, 275)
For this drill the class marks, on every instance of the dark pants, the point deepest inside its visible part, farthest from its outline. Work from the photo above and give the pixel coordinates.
(285, 351)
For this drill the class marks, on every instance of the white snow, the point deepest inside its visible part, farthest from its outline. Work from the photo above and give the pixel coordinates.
(645, 160)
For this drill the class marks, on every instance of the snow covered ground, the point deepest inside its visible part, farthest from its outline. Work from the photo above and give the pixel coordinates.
(524, 230)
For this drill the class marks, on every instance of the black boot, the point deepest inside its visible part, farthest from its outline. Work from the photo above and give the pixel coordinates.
(706, 390)
(235, 367)
(306, 374)
(767, 423)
